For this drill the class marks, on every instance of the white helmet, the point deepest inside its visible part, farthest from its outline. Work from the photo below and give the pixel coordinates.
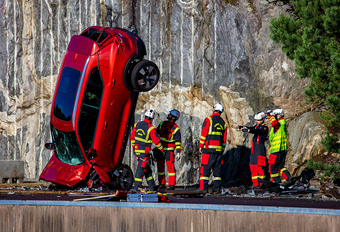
(278, 111)
(260, 116)
(150, 113)
(218, 107)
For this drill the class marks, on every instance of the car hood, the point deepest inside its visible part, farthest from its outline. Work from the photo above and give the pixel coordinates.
(60, 173)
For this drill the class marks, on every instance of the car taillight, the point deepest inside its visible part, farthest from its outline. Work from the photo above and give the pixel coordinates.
(120, 44)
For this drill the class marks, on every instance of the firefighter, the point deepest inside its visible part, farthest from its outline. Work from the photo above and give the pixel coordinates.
(258, 157)
(278, 146)
(142, 136)
(211, 146)
(170, 135)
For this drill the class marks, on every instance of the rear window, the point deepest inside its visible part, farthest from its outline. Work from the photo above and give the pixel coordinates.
(66, 94)
(94, 34)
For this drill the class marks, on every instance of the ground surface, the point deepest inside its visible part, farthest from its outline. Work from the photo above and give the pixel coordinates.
(42, 191)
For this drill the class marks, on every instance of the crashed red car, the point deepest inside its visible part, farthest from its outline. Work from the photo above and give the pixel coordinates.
(101, 75)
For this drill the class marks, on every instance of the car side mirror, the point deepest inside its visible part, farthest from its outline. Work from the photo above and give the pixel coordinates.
(92, 153)
(49, 146)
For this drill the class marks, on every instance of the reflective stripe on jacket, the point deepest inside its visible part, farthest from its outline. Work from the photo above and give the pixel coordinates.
(214, 134)
(142, 136)
(170, 135)
(278, 137)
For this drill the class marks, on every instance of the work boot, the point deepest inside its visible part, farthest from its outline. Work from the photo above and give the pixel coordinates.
(171, 187)
(262, 186)
(135, 187)
(133, 191)
(253, 187)
(161, 187)
(202, 191)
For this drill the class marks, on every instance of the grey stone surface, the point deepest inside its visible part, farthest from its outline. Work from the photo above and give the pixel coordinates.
(207, 51)
(305, 133)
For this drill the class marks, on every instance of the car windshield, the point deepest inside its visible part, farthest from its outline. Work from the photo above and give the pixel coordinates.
(67, 90)
(90, 109)
(66, 146)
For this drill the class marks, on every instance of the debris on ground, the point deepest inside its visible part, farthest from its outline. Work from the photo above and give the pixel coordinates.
(294, 189)
(330, 191)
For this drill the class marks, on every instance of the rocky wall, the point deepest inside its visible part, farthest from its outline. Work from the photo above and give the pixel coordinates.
(208, 51)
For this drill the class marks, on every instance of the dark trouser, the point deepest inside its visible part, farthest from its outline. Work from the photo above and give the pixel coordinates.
(257, 163)
(276, 166)
(213, 161)
(170, 164)
(144, 168)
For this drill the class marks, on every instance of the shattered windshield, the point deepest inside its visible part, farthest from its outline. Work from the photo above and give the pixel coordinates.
(66, 146)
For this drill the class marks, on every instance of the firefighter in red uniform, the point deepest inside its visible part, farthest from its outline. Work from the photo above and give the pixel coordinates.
(170, 136)
(258, 158)
(212, 144)
(142, 136)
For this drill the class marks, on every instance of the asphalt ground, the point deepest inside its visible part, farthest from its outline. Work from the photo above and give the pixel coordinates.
(181, 197)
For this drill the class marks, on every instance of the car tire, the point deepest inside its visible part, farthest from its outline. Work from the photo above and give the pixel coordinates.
(145, 76)
(121, 177)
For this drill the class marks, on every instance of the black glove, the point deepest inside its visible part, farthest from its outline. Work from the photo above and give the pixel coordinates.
(240, 127)
(245, 130)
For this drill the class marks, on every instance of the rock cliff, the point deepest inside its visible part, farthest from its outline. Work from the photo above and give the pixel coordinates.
(208, 51)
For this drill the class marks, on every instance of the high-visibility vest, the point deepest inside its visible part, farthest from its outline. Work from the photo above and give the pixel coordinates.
(214, 141)
(278, 139)
(167, 131)
(142, 142)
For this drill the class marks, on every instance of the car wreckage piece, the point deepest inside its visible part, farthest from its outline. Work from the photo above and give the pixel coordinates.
(93, 107)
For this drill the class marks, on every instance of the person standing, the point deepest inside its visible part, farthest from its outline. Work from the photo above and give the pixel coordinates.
(142, 136)
(278, 146)
(211, 146)
(170, 136)
(258, 157)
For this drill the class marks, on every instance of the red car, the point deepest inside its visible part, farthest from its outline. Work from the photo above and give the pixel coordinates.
(93, 108)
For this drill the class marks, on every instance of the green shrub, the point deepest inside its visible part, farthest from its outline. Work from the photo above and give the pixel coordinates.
(327, 172)
(310, 36)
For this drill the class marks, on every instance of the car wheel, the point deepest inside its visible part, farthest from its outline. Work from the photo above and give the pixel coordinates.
(144, 76)
(121, 177)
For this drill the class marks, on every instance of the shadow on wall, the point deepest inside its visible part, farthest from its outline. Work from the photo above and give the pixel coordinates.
(235, 168)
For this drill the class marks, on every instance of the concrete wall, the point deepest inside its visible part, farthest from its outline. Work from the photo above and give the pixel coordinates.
(11, 171)
(158, 217)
